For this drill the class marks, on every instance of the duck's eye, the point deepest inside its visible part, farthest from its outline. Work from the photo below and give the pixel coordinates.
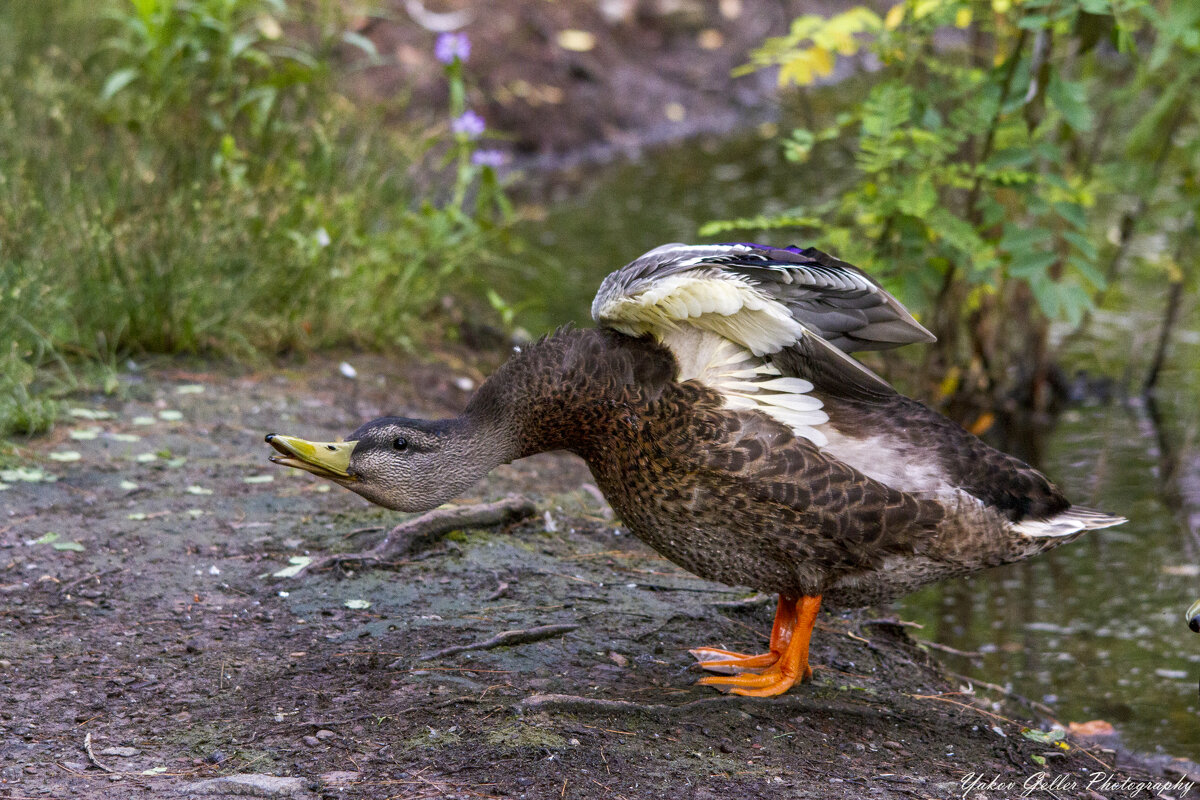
(1194, 623)
(400, 444)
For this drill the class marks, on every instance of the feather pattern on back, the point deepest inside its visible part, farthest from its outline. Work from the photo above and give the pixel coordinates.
(769, 330)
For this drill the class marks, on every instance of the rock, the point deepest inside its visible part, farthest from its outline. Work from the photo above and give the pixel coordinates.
(250, 785)
(324, 734)
(311, 741)
(123, 752)
(340, 778)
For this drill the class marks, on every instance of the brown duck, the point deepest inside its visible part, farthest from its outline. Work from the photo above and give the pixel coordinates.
(722, 418)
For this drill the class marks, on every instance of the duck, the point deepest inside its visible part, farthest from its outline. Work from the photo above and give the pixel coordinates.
(721, 413)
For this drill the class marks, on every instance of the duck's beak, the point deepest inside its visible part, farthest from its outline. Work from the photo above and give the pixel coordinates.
(1193, 616)
(325, 459)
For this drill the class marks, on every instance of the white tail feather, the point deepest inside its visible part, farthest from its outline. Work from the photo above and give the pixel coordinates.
(1073, 520)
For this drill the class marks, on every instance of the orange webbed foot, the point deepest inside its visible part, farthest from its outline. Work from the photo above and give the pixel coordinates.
(774, 672)
(730, 663)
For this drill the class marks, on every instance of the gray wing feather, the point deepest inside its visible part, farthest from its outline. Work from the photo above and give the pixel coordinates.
(833, 299)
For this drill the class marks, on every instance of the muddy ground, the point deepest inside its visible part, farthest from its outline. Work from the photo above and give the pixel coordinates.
(139, 615)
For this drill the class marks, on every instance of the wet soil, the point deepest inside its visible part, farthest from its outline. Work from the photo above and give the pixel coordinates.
(571, 81)
(151, 628)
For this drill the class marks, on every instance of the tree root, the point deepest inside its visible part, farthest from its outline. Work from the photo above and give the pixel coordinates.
(505, 639)
(426, 529)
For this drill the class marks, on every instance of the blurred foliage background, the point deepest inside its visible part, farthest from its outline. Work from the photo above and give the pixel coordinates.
(192, 177)
(185, 177)
(1004, 157)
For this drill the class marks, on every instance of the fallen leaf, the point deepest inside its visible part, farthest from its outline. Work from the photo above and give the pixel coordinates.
(170, 415)
(1095, 727)
(145, 458)
(1044, 737)
(87, 413)
(1183, 570)
(143, 420)
(357, 605)
(46, 538)
(190, 388)
(297, 563)
(128, 486)
(125, 437)
(575, 40)
(258, 479)
(74, 546)
(28, 475)
(84, 434)
(65, 455)
(198, 490)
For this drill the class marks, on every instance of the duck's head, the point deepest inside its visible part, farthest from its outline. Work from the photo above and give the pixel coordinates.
(1193, 616)
(402, 464)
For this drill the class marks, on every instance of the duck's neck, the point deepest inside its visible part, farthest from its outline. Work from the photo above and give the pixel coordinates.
(563, 393)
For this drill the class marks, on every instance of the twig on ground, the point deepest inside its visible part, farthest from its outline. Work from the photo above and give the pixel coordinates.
(505, 639)
(945, 648)
(501, 591)
(895, 621)
(428, 528)
(66, 587)
(357, 531)
(759, 599)
(596, 705)
(1020, 698)
(87, 748)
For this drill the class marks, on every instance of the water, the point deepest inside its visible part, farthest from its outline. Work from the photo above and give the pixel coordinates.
(1094, 628)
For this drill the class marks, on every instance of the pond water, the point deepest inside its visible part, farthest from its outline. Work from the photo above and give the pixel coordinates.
(1095, 628)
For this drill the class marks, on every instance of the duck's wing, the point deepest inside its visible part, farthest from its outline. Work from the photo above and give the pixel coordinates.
(764, 292)
(760, 325)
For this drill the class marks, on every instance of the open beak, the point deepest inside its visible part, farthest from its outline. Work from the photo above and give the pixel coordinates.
(324, 459)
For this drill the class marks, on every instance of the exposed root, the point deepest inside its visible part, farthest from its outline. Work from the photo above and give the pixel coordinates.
(426, 529)
(87, 748)
(505, 639)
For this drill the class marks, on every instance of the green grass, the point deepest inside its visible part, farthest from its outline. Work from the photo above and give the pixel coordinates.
(236, 210)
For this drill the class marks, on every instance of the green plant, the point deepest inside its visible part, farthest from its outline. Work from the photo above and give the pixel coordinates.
(185, 177)
(981, 163)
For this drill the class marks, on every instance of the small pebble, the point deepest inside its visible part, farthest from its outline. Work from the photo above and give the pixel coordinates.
(311, 741)
(324, 734)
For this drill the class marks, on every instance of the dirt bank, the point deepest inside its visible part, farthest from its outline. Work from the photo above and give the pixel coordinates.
(570, 80)
(138, 615)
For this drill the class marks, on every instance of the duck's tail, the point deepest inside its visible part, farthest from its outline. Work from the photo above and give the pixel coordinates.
(1075, 519)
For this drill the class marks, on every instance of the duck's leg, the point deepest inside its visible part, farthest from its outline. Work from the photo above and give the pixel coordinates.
(728, 662)
(791, 666)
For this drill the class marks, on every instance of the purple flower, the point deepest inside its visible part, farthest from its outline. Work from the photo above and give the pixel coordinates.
(451, 46)
(469, 124)
(489, 158)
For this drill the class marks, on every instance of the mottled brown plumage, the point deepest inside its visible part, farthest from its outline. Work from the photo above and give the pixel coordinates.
(735, 497)
(724, 422)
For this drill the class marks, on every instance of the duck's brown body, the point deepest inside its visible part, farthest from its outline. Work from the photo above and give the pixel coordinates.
(735, 496)
(724, 421)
